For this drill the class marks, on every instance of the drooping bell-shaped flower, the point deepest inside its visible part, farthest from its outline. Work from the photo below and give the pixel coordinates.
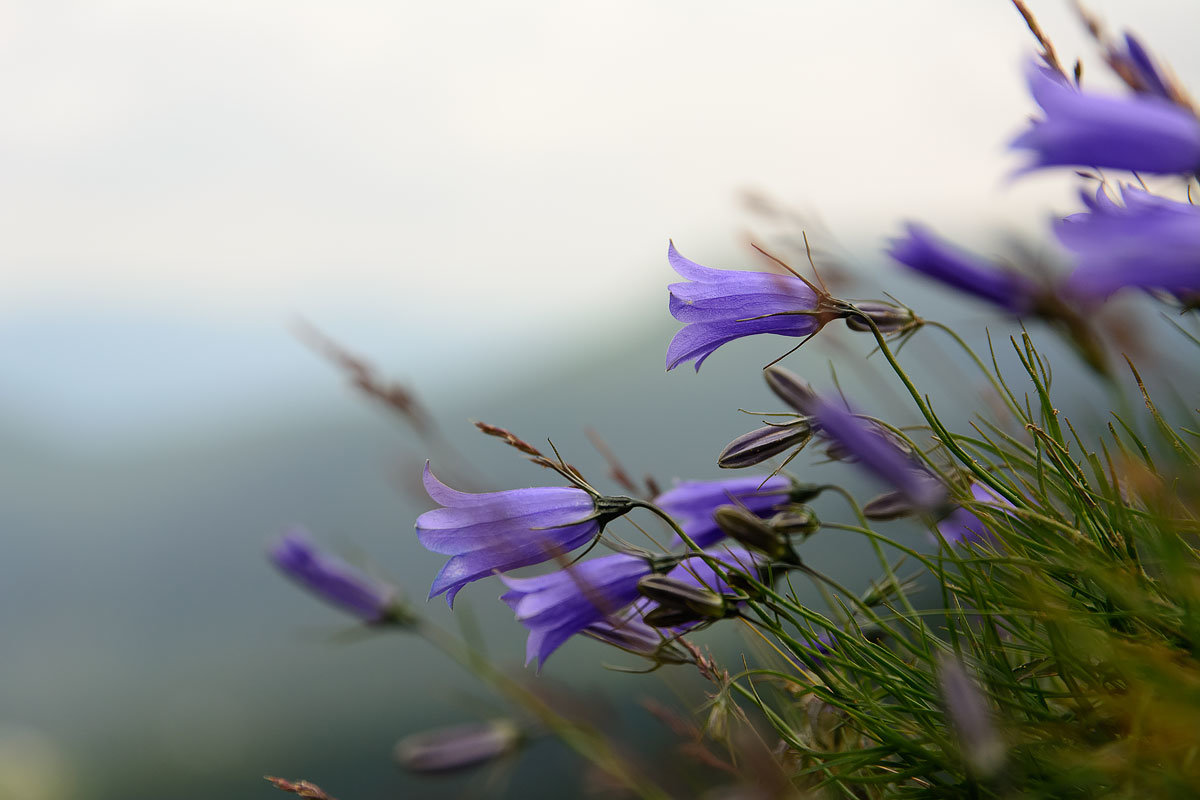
(501, 531)
(592, 597)
(924, 252)
(962, 526)
(1149, 242)
(1143, 133)
(1138, 70)
(863, 442)
(332, 579)
(556, 606)
(720, 305)
(692, 503)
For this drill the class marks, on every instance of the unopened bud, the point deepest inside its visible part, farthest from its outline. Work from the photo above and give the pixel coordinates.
(795, 522)
(887, 318)
(746, 528)
(663, 617)
(457, 747)
(759, 445)
(892, 505)
(804, 492)
(790, 388)
(674, 594)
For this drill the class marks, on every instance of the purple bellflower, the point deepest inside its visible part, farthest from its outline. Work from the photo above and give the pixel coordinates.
(967, 710)
(720, 305)
(921, 250)
(863, 442)
(588, 597)
(332, 579)
(1149, 242)
(692, 503)
(1137, 69)
(1143, 133)
(556, 606)
(500, 531)
(963, 526)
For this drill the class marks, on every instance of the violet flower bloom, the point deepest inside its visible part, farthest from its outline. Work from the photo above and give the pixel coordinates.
(1150, 242)
(556, 606)
(692, 503)
(1138, 69)
(924, 252)
(863, 442)
(963, 526)
(588, 597)
(500, 531)
(458, 746)
(967, 710)
(720, 305)
(330, 578)
(1141, 133)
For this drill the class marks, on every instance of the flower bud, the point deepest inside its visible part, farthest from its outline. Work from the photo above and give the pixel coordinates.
(759, 445)
(748, 529)
(891, 505)
(675, 595)
(663, 617)
(457, 747)
(804, 492)
(790, 388)
(887, 317)
(800, 521)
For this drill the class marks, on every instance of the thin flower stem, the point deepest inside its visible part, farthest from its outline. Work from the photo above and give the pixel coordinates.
(946, 437)
(1008, 401)
(883, 559)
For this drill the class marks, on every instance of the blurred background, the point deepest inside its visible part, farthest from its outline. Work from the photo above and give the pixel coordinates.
(476, 198)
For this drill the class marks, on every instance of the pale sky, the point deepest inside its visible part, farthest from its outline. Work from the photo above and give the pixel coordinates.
(487, 167)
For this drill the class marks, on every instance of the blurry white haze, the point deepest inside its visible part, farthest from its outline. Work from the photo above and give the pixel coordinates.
(432, 180)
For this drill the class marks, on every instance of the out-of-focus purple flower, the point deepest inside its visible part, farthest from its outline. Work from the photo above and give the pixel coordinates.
(458, 746)
(692, 503)
(1138, 70)
(556, 606)
(962, 525)
(867, 446)
(330, 578)
(590, 597)
(936, 258)
(1149, 242)
(979, 742)
(501, 531)
(1141, 133)
(720, 305)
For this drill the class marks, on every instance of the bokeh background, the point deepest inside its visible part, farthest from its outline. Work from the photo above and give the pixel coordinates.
(476, 198)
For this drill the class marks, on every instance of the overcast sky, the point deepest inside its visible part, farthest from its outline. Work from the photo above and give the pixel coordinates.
(468, 167)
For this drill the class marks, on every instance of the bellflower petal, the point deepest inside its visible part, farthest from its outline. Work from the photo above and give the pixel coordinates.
(590, 597)
(965, 526)
(330, 578)
(1141, 69)
(863, 442)
(924, 252)
(692, 503)
(556, 606)
(721, 305)
(1141, 133)
(1149, 242)
(500, 531)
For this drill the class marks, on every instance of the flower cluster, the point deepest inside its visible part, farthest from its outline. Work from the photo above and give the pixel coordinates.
(1021, 529)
